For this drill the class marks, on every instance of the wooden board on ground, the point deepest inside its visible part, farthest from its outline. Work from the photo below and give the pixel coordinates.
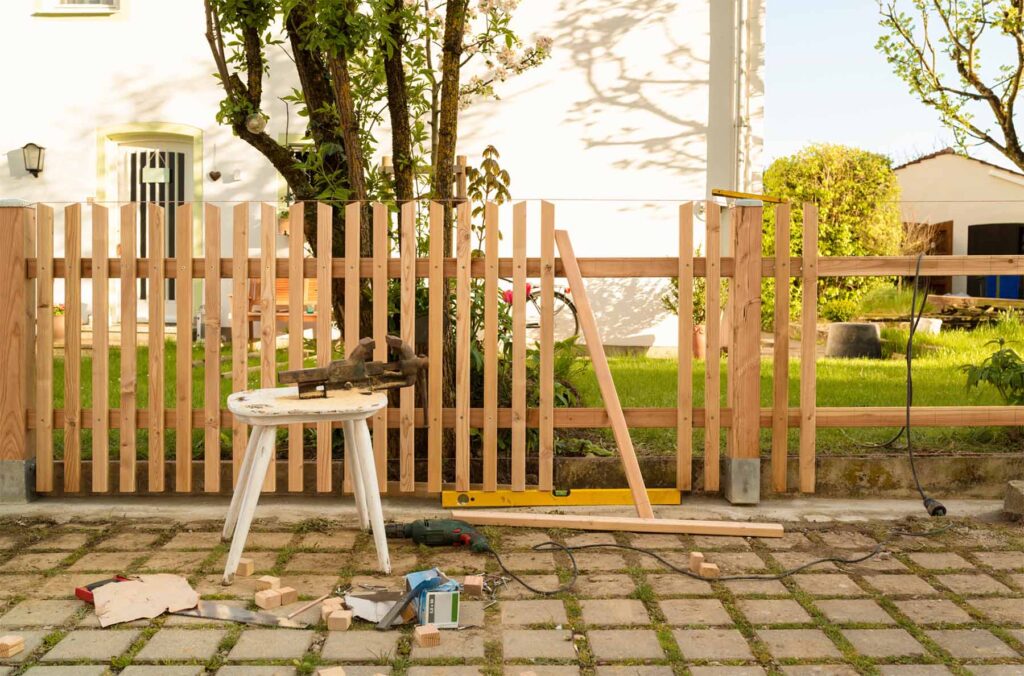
(619, 523)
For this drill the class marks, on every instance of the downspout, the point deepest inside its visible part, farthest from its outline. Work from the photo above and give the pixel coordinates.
(742, 95)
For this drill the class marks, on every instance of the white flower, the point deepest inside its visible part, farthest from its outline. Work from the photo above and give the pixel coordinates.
(544, 43)
(507, 56)
(501, 74)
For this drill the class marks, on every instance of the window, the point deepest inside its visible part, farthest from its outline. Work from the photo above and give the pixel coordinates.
(84, 7)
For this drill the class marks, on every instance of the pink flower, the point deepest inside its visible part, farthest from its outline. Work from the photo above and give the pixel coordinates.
(507, 295)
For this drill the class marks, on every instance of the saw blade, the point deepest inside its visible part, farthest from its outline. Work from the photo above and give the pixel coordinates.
(221, 611)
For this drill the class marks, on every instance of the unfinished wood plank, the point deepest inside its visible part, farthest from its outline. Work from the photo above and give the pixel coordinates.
(381, 254)
(239, 327)
(268, 316)
(407, 398)
(296, 226)
(684, 383)
(712, 369)
(127, 451)
(100, 351)
(15, 236)
(324, 294)
(211, 351)
(435, 347)
(155, 341)
(604, 377)
(780, 351)
(619, 523)
(44, 350)
(519, 347)
(546, 454)
(463, 318)
(28, 306)
(745, 348)
(183, 370)
(73, 349)
(490, 438)
(351, 335)
(808, 349)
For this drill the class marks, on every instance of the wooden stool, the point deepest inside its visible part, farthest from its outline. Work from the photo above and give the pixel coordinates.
(264, 410)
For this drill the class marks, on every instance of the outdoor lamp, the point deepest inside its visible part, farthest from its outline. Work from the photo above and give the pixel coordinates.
(32, 154)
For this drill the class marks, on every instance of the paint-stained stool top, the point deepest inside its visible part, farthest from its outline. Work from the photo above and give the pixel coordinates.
(281, 406)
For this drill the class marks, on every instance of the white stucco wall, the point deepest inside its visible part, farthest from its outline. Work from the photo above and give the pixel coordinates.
(633, 110)
(954, 188)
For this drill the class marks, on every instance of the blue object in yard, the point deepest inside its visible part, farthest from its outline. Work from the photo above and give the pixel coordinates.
(438, 604)
(1003, 286)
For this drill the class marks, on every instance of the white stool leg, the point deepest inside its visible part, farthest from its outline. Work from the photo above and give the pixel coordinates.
(364, 449)
(264, 452)
(242, 483)
(358, 489)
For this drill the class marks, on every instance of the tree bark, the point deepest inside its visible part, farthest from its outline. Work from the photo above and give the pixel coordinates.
(398, 105)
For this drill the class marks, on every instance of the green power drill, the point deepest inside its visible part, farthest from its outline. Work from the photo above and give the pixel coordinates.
(439, 533)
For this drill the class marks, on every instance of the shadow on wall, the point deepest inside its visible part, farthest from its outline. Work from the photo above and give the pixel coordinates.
(636, 309)
(16, 163)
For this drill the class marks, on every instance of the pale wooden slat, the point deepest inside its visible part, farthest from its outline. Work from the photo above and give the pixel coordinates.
(463, 317)
(684, 384)
(712, 371)
(519, 347)
(745, 347)
(780, 350)
(211, 352)
(239, 327)
(155, 340)
(406, 434)
(15, 362)
(73, 349)
(546, 455)
(100, 352)
(324, 241)
(296, 224)
(603, 374)
(353, 223)
(490, 439)
(183, 370)
(381, 254)
(127, 452)
(268, 316)
(808, 348)
(44, 351)
(435, 346)
(27, 445)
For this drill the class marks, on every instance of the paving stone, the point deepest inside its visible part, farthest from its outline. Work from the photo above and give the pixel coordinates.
(268, 540)
(973, 585)
(181, 645)
(401, 563)
(789, 540)
(340, 540)
(181, 621)
(175, 561)
(847, 539)
(727, 671)
(655, 541)
(796, 559)
(757, 588)
(712, 644)
(40, 613)
(681, 612)
(16, 585)
(370, 646)
(446, 670)
(940, 560)
(1001, 560)
(737, 562)
(625, 644)
(366, 669)
(603, 585)
(457, 562)
(60, 586)
(314, 585)
(1001, 610)
(883, 642)
(614, 612)
(195, 540)
(62, 542)
(106, 562)
(716, 542)
(514, 590)
(968, 644)
(93, 645)
(529, 561)
(75, 670)
(610, 561)
(933, 611)
(819, 670)
(558, 670)
(520, 613)
(306, 562)
(581, 539)
(774, 611)
(678, 585)
(997, 669)
(854, 611)
(521, 538)
(8, 541)
(876, 563)
(163, 670)
(32, 637)
(551, 644)
(913, 670)
(34, 562)
(271, 644)
(829, 584)
(471, 614)
(1017, 581)
(134, 541)
(901, 585)
(798, 643)
(467, 645)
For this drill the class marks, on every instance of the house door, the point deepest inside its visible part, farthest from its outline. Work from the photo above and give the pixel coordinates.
(156, 173)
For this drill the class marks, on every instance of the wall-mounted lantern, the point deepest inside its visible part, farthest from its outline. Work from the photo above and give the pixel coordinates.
(33, 155)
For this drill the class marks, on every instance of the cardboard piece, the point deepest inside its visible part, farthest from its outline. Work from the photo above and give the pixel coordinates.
(372, 606)
(438, 605)
(144, 598)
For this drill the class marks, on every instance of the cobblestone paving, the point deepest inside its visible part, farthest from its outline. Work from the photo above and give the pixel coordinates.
(950, 604)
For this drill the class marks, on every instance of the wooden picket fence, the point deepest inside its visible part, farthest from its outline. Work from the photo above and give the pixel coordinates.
(28, 420)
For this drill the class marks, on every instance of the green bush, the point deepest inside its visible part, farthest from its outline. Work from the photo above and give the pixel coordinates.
(839, 310)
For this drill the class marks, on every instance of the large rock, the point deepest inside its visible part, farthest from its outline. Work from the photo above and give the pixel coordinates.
(1013, 503)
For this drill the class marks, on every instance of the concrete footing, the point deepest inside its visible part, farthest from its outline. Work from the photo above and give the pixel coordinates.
(741, 480)
(1013, 503)
(17, 481)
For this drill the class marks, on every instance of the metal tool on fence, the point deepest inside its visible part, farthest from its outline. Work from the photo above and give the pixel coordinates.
(358, 371)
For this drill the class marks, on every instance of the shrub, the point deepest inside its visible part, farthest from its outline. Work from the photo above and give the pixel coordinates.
(1003, 370)
(670, 301)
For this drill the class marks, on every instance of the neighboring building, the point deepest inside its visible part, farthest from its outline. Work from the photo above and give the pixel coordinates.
(953, 192)
(642, 105)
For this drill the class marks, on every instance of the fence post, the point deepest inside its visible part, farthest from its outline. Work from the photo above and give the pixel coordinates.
(17, 471)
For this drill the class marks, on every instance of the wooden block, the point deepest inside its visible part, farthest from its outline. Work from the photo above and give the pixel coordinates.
(288, 595)
(329, 606)
(11, 645)
(709, 571)
(267, 582)
(696, 561)
(339, 620)
(427, 636)
(473, 585)
(331, 671)
(246, 567)
(268, 598)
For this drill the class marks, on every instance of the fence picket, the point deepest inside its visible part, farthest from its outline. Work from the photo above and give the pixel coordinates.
(324, 242)
(435, 347)
(268, 316)
(72, 348)
(296, 284)
(463, 317)
(155, 342)
(127, 451)
(712, 369)
(381, 253)
(519, 347)
(808, 347)
(211, 351)
(407, 401)
(44, 351)
(183, 375)
(780, 351)
(353, 223)
(546, 454)
(745, 346)
(684, 384)
(490, 438)
(239, 326)
(100, 352)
